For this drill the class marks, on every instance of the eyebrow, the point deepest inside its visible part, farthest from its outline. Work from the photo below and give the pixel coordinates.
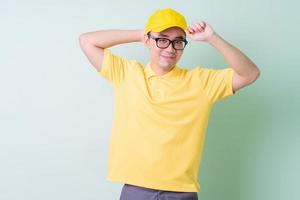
(179, 37)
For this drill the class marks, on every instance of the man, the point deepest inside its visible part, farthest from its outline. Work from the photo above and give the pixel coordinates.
(161, 110)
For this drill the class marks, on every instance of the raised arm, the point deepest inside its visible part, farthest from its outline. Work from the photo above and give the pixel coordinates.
(245, 71)
(94, 43)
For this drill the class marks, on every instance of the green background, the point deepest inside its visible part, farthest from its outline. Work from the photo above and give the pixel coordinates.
(56, 112)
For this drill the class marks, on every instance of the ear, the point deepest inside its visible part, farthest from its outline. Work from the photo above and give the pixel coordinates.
(146, 40)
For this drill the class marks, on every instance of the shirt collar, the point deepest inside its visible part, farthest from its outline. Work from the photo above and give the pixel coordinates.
(150, 73)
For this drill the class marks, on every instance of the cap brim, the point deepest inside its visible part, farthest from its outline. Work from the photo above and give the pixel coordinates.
(166, 26)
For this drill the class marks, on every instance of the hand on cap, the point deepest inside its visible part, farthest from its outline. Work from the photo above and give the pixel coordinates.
(200, 31)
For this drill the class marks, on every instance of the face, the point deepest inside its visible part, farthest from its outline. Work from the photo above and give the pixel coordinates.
(166, 58)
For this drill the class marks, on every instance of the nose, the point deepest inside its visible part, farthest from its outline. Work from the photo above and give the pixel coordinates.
(170, 48)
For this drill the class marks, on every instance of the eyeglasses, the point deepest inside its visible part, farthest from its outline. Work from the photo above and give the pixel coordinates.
(163, 43)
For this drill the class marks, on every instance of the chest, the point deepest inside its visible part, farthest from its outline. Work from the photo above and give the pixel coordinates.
(172, 93)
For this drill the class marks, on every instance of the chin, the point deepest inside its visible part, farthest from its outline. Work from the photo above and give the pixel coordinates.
(166, 65)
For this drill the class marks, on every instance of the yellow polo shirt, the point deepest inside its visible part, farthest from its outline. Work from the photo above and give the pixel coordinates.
(159, 122)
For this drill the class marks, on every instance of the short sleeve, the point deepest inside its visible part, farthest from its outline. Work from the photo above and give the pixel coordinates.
(217, 83)
(113, 68)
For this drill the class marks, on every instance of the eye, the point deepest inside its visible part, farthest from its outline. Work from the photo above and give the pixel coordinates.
(179, 42)
(163, 40)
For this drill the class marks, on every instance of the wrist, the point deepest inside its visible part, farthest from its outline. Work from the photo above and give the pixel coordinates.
(138, 35)
(141, 34)
(213, 38)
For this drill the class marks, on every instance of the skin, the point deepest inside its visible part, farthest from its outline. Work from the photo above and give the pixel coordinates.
(245, 71)
(163, 60)
(94, 43)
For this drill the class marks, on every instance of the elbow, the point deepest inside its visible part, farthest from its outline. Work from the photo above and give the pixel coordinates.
(255, 75)
(82, 39)
(86, 38)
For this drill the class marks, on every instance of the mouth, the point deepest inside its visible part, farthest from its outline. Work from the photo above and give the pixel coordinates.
(168, 57)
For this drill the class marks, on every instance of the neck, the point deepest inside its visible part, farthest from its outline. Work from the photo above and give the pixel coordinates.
(160, 71)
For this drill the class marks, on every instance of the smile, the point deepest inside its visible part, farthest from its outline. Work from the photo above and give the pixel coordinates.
(168, 57)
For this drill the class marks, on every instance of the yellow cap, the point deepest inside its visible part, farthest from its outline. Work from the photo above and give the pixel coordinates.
(163, 19)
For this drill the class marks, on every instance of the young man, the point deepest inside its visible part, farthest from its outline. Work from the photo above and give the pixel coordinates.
(161, 110)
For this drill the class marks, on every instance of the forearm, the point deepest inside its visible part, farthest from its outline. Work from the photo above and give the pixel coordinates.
(240, 63)
(108, 38)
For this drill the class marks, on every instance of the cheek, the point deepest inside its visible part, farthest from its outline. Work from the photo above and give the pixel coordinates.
(155, 53)
(178, 56)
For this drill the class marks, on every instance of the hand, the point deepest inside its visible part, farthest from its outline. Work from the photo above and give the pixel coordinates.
(200, 31)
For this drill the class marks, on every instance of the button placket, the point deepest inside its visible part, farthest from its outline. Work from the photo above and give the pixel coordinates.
(158, 89)
(155, 85)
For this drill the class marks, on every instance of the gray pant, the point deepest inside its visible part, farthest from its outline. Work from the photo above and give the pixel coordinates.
(133, 192)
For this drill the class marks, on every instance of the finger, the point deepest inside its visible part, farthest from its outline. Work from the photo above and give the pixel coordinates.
(202, 24)
(200, 28)
(187, 32)
(192, 29)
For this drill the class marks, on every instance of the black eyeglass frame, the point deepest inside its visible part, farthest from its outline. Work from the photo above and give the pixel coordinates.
(170, 41)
